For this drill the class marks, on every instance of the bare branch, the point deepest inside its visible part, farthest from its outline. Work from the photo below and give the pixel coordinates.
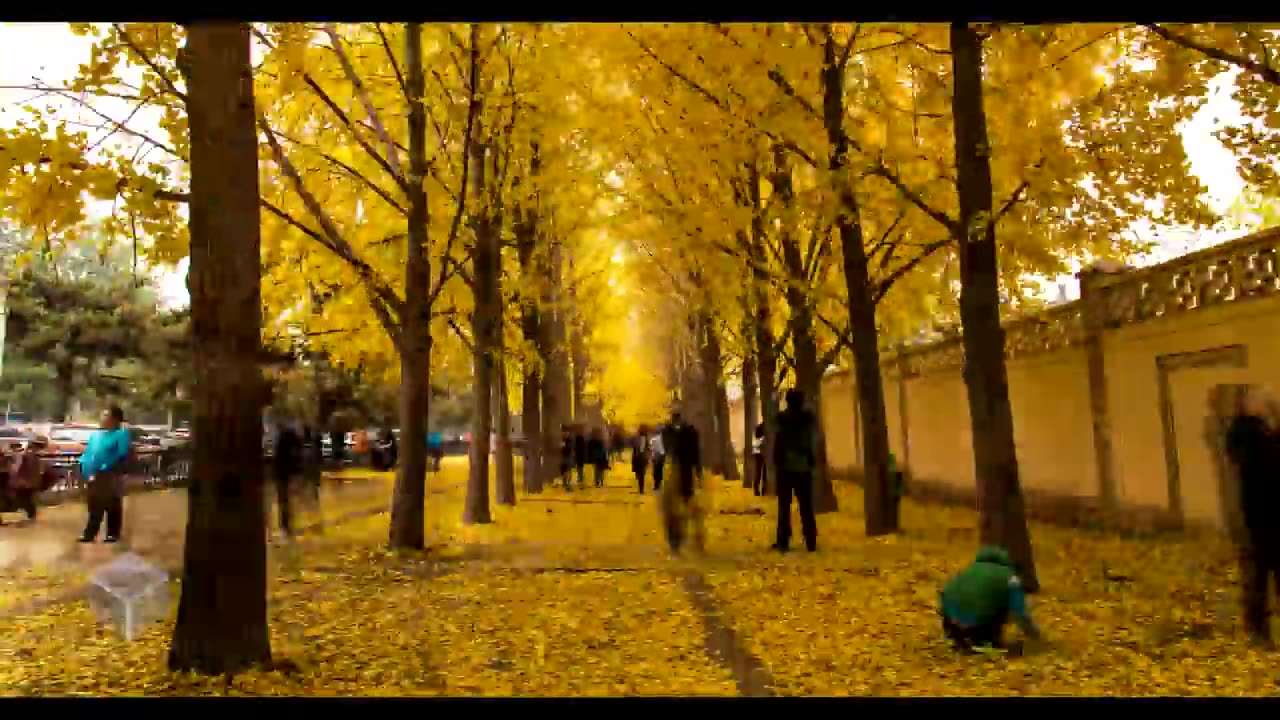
(364, 144)
(332, 237)
(362, 92)
(146, 59)
(391, 58)
(1264, 72)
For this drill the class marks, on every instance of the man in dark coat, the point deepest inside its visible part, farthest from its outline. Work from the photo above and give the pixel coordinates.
(680, 509)
(1253, 448)
(286, 464)
(795, 457)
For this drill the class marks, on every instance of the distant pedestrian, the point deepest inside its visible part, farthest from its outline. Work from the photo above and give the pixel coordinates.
(795, 457)
(598, 455)
(658, 457)
(757, 461)
(435, 449)
(29, 474)
(566, 457)
(1253, 448)
(580, 455)
(385, 449)
(102, 465)
(640, 456)
(287, 464)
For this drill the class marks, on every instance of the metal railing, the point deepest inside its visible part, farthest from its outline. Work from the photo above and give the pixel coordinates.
(170, 467)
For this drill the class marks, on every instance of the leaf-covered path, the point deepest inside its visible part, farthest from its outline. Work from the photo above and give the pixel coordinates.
(574, 594)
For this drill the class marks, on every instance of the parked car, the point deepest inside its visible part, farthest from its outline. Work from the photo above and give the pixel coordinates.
(13, 439)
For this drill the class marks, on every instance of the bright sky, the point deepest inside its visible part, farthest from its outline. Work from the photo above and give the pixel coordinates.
(50, 52)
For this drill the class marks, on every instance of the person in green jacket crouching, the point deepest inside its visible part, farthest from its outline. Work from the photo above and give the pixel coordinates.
(977, 603)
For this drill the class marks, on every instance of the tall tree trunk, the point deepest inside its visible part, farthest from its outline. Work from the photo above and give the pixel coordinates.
(222, 614)
(696, 395)
(577, 343)
(505, 474)
(408, 513)
(531, 380)
(995, 455)
(483, 320)
(531, 425)
(880, 513)
(808, 374)
(765, 344)
(713, 367)
(749, 408)
(552, 348)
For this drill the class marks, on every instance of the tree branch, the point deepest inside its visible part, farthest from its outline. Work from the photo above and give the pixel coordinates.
(1264, 72)
(164, 77)
(362, 92)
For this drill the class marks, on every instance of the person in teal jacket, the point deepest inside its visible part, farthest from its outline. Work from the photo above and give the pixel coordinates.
(977, 603)
(102, 465)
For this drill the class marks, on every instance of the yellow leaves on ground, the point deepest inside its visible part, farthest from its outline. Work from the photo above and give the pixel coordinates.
(574, 594)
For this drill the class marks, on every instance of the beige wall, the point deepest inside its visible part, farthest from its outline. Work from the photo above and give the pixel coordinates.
(1050, 398)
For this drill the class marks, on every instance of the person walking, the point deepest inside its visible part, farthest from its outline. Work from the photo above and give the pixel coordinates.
(640, 456)
(795, 456)
(682, 516)
(580, 455)
(566, 457)
(757, 460)
(657, 456)
(102, 465)
(28, 475)
(598, 455)
(286, 464)
(1253, 449)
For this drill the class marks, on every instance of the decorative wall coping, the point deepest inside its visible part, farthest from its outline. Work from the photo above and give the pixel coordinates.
(1247, 268)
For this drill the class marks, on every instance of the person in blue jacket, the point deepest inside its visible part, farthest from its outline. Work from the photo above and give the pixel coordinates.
(102, 465)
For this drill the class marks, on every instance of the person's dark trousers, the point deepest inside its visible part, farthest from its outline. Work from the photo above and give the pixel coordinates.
(582, 475)
(566, 478)
(639, 469)
(988, 634)
(112, 508)
(1260, 568)
(757, 483)
(657, 474)
(283, 478)
(25, 500)
(800, 485)
(599, 475)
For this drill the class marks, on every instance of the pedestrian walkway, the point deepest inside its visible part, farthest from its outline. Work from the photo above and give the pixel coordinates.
(582, 598)
(42, 563)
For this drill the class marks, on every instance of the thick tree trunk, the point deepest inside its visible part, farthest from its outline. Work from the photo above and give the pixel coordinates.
(995, 455)
(504, 463)
(765, 344)
(408, 512)
(222, 614)
(808, 374)
(750, 398)
(483, 320)
(880, 513)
